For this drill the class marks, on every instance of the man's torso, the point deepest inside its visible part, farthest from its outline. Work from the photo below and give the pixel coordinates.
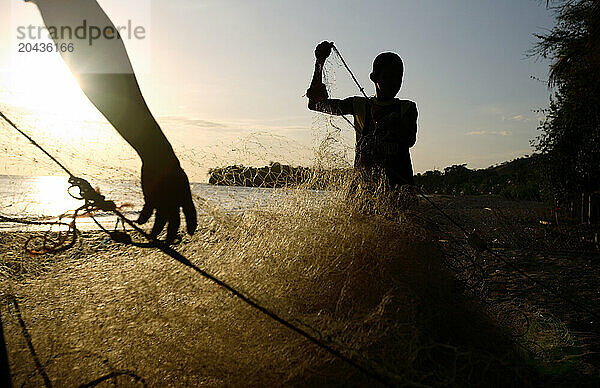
(385, 130)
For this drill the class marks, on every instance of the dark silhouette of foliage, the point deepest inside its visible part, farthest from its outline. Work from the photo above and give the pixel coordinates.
(519, 179)
(570, 138)
(273, 175)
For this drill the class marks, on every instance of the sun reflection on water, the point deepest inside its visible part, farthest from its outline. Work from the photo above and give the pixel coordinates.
(52, 196)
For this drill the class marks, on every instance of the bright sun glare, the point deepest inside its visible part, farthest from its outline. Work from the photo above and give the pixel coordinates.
(44, 89)
(43, 83)
(52, 195)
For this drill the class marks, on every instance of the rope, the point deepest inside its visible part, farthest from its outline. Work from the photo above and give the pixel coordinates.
(36, 144)
(49, 245)
(473, 239)
(96, 201)
(112, 375)
(362, 90)
(27, 336)
(40, 368)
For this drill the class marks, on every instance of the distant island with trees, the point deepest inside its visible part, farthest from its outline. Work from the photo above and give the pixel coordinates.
(518, 179)
(274, 175)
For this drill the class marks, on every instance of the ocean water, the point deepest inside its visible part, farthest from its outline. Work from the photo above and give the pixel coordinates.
(46, 198)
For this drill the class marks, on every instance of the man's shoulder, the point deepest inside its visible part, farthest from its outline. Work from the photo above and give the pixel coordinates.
(359, 103)
(359, 99)
(407, 105)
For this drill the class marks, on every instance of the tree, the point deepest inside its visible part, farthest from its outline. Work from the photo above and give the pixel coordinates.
(574, 44)
(570, 138)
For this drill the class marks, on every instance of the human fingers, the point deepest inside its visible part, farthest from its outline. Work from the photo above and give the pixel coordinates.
(173, 226)
(189, 210)
(325, 45)
(159, 223)
(145, 214)
(323, 50)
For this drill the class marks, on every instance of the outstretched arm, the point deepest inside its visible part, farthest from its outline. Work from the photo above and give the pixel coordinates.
(105, 75)
(318, 99)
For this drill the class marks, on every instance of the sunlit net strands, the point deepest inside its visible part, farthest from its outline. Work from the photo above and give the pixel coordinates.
(371, 274)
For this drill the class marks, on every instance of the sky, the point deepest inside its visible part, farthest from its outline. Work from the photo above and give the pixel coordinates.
(221, 75)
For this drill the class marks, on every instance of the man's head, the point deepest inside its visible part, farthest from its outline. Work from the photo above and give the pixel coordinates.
(387, 75)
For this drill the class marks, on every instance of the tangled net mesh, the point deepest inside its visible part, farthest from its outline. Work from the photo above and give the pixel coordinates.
(372, 273)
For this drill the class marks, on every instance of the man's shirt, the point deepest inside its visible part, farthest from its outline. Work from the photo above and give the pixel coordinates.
(385, 130)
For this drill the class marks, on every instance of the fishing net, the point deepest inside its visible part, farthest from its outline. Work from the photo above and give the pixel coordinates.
(381, 276)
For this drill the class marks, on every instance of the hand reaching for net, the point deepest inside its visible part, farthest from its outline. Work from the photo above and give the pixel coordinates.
(105, 75)
(166, 189)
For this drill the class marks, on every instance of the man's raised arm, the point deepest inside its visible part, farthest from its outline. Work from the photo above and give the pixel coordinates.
(318, 98)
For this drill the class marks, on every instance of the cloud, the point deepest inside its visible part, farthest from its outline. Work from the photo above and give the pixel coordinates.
(192, 122)
(497, 133)
(476, 133)
(521, 118)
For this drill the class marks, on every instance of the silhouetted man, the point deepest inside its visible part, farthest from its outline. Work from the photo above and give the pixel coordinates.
(385, 126)
(104, 72)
